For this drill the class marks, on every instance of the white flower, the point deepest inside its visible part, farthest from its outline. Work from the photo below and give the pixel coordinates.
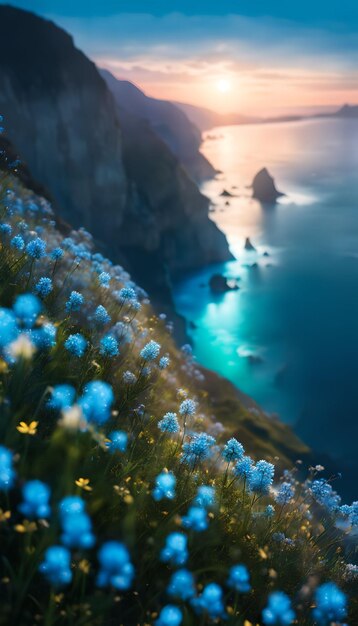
(22, 347)
(72, 418)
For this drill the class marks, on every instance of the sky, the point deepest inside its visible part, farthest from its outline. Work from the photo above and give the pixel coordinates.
(246, 56)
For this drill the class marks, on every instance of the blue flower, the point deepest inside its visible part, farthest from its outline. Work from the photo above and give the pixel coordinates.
(164, 486)
(96, 401)
(7, 473)
(43, 287)
(109, 346)
(285, 494)
(210, 602)
(175, 550)
(196, 519)
(62, 397)
(44, 337)
(8, 327)
(101, 316)
(331, 604)
(6, 229)
(278, 611)
(198, 448)
(129, 378)
(104, 279)
(56, 566)
(150, 351)
(164, 362)
(27, 308)
(76, 524)
(187, 408)
(181, 585)
(353, 514)
(75, 301)
(169, 423)
(71, 505)
(261, 477)
(118, 441)
(36, 248)
(17, 242)
(239, 579)
(170, 615)
(205, 496)
(116, 569)
(233, 450)
(76, 344)
(323, 493)
(243, 468)
(56, 254)
(126, 293)
(269, 511)
(36, 496)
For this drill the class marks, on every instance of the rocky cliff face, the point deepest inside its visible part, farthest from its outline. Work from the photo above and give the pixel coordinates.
(168, 122)
(106, 170)
(62, 119)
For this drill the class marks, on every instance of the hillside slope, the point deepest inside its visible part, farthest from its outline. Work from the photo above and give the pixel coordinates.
(124, 499)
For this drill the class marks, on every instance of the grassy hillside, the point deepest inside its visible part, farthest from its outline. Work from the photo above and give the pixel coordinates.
(121, 499)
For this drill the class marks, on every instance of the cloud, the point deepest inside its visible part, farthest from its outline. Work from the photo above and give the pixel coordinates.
(181, 56)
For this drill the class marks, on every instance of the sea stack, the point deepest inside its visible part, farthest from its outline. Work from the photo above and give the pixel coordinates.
(248, 245)
(264, 188)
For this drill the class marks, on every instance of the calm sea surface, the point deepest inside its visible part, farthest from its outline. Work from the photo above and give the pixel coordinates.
(289, 336)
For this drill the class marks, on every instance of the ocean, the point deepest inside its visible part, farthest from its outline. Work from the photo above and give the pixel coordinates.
(288, 336)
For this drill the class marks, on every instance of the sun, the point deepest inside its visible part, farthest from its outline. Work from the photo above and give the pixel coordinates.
(223, 85)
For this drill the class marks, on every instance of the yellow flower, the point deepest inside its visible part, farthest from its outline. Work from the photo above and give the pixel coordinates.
(3, 367)
(263, 554)
(27, 429)
(83, 483)
(84, 566)
(26, 527)
(4, 515)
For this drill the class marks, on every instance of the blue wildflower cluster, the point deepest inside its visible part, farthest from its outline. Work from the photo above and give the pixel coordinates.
(56, 566)
(76, 524)
(95, 401)
(116, 569)
(36, 496)
(164, 486)
(7, 472)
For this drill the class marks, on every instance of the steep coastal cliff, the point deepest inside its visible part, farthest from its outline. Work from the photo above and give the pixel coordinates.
(107, 171)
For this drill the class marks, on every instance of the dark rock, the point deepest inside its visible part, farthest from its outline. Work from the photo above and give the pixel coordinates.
(265, 253)
(220, 284)
(227, 203)
(248, 245)
(263, 187)
(226, 194)
(254, 359)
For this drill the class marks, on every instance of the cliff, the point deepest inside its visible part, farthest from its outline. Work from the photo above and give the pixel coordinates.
(168, 122)
(105, 170)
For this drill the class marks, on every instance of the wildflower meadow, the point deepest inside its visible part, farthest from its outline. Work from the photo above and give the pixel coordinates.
(120, 501)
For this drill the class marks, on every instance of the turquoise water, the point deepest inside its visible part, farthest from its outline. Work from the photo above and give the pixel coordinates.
(296, 312)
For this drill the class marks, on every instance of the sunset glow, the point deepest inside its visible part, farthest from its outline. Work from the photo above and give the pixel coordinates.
(223, 85)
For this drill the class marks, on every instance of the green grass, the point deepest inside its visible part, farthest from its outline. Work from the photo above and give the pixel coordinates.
(120, 501)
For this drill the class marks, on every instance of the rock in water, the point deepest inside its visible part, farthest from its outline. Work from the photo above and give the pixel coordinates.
(263, 187)
(220, 284)
(248, 245)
